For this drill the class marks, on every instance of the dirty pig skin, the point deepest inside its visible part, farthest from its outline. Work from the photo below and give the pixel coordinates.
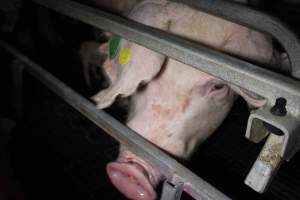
(178, 106)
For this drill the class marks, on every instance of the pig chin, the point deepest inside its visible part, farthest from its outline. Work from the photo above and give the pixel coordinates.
(133, 177)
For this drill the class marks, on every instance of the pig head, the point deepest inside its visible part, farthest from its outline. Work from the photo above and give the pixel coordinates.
(173, 105)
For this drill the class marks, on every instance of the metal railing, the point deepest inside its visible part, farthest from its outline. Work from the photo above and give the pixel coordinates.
(173, 172)
(267, 84)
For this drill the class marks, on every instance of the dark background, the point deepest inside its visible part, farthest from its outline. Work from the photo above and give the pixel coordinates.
(56, 153)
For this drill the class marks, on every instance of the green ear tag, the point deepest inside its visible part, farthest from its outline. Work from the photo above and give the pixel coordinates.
(114, 45)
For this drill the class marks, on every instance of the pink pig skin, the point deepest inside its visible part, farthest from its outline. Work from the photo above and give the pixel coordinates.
(177, 107)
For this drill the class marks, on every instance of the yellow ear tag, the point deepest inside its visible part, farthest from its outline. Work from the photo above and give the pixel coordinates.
(125, 56)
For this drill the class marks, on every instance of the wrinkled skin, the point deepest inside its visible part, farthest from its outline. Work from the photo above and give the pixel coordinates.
(177, 106)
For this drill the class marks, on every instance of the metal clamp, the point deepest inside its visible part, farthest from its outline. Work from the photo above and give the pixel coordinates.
(289, 125)
(282, 144)
(266, 164)
(171, 191)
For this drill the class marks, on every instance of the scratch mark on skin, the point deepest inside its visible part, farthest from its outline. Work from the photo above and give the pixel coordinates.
(169, 135)
(163, 113)
(186, 104)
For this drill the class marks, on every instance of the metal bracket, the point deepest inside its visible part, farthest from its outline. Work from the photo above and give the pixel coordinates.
(276, 149)
(266, 164)
(171, 191)
(288, 124)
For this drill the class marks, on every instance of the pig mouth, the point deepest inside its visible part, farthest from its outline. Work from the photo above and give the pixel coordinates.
(132, 179)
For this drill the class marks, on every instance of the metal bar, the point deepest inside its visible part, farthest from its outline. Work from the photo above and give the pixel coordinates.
(171, 192)
(248, 17)
(266, 165)
(248, 76)
(17, 68)
(265, 83)
(133, 141)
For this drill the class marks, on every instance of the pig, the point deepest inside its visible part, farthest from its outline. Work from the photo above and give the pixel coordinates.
(173, 105)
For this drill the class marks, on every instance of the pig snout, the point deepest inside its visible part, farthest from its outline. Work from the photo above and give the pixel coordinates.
(130, 179)
(133, 177)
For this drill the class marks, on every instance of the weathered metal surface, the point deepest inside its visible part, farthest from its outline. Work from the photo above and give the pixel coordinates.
(266, 164)
(171, 192)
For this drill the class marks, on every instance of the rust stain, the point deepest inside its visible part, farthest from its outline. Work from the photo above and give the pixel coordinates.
(272, 155)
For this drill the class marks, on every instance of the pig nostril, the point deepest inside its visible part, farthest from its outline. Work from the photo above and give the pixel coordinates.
(129, 179)
(140, 190)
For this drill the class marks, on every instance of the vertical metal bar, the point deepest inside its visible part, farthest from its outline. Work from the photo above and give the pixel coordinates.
(17, 69)
(266, 164)
(171, 192)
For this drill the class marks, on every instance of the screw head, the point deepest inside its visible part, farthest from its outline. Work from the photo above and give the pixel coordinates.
(279, 108)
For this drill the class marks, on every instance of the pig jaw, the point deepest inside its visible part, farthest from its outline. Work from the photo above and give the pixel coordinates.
(133, 177)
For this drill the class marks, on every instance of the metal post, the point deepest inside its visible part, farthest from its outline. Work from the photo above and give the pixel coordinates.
(17, 69)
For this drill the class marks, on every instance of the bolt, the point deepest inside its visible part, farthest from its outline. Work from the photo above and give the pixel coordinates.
(279, 108)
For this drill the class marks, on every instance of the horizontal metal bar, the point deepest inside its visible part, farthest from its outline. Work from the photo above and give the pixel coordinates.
(133, 141)
(248, 76)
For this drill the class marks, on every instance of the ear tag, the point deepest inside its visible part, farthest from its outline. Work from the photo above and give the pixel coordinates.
(114, 45)
(125, 56)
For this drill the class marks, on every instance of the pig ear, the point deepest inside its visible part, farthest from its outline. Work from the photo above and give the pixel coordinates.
(253, 100)
(132, 66)
(108, 68)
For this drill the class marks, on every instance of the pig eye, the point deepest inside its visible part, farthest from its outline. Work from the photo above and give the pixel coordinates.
(219, 86)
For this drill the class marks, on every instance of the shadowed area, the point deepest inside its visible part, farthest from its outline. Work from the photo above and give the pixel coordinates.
(56, 153)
